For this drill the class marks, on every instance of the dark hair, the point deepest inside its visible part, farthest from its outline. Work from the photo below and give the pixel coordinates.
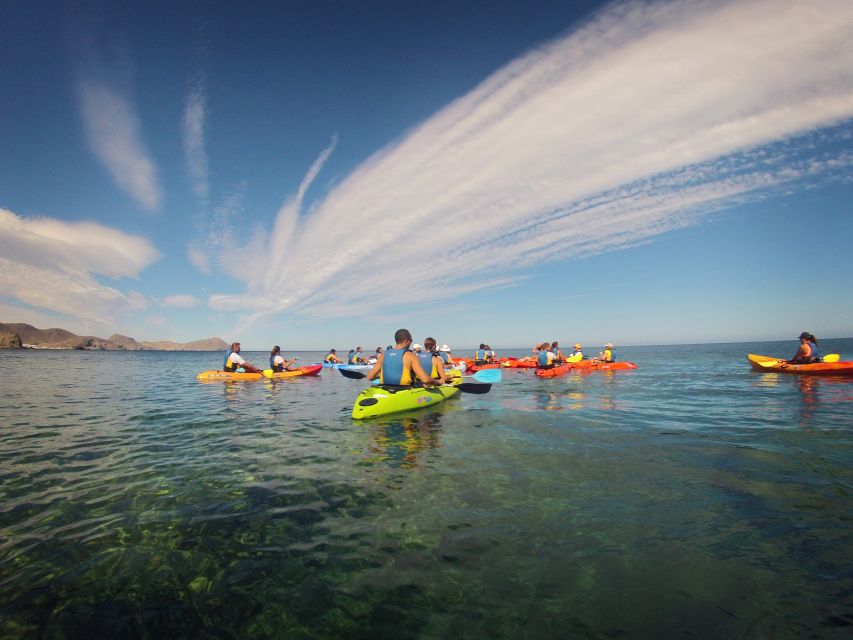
(554, 344)
(276, 349)
(482, 346)
(429, 344)
(401, 335)
(332, 351)
(812, 338)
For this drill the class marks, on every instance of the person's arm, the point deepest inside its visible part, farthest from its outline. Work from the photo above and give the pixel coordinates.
(374, 372)
(418, 370)
(439, 369)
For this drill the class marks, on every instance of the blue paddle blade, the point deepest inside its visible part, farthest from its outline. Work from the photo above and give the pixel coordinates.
(488, 375)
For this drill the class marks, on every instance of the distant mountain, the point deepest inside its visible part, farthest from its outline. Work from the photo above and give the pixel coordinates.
(32, 337)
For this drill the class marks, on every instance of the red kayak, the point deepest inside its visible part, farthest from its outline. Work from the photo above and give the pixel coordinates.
(597, 365)
(555, 371)
(519, 363)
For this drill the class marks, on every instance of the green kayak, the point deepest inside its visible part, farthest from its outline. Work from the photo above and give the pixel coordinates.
(380, 401)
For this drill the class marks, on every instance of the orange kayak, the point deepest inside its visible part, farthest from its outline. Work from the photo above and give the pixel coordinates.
(519, 363)
(553, 372)
(597, 365)
(767, 364)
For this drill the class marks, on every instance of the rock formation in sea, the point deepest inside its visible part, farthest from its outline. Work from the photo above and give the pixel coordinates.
(10, 340)
(62, 339)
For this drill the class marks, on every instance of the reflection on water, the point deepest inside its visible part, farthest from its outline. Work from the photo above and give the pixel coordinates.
(808, 386)
(398, 440)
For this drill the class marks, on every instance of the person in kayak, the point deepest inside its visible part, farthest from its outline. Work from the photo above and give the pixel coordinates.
(332, 357)
(545, 359)
(578, 351)
(807, 351)
(398, 366)
(555, 349)
(277, 362)
(483, 355)
(607, 354)
(431, 361)
(493, 357)
(446, 355)
(372, 359)
(357, 357)
(233, 360)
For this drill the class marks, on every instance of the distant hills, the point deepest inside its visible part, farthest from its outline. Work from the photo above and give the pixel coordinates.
(19, 335)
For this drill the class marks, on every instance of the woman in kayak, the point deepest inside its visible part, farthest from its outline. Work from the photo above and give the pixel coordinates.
(578, 352)
(607, 354)
(398, 366)
(446, 355)
(555, 349)
(431, 361)
(807, 351)
(331, 357)
(233, 361)
(277, 363)
(372, 359)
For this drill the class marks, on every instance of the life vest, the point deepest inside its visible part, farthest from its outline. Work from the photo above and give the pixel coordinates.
(428, 365)
(814, 354)
(393, 371)
(276, 367)
(608, 355)
(558, 355)
(445, 357)
(330, 358)
(228, 365)
(482, 356)
(545, 359)
(353, 358)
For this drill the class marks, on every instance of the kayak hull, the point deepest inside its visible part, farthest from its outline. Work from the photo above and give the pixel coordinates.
(380, 401)
(307, 370)
(519, 363)
(553, 372)
(214, 375)
(776, 365)
(596, 365)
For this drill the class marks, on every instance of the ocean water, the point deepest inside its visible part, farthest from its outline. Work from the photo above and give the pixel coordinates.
(692, 498)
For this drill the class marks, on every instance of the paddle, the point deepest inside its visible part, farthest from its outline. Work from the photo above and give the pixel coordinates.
(465, 387)
(487, 375)
(831, 357)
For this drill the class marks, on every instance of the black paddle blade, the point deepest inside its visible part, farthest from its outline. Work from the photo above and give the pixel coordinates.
(474, 387)
(355, 375)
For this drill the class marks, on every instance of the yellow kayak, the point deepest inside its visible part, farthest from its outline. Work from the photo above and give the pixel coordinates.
(214, 375)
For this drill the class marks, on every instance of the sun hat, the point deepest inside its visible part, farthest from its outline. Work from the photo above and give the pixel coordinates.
(577, 345)
(609, 345)
(416, 347)
(444, 347)
(805, 334)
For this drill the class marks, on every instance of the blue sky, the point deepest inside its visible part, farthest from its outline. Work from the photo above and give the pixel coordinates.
(321, 174)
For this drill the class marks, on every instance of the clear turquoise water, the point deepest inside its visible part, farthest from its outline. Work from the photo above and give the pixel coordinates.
(690, 498)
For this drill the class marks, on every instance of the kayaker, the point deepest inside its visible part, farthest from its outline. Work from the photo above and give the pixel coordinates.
(331, 357)
(277, 362)
(607, 354)
(398, 366)
(233, 360)
(431, 361)
(555, 349)
(445, 354)
(372, 359)
(417, 348)
(357, 356)
(482, 355)
(545, 359)
(578, 351)
(807, 351)
(492, 355)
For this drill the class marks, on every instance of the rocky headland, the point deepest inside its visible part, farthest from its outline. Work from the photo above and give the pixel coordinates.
(19, 335)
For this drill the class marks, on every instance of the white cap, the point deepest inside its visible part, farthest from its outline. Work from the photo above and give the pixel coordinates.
(444, 347)
(416, 347)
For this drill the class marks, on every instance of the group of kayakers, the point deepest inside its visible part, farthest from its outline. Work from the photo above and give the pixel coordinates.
(234, 361)
(405, 365)
(549, 354)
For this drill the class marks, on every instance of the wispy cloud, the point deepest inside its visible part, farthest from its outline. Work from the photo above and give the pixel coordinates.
(112, 126)
(181, 301)
(51, 264)
(638, 123)
(195, 115)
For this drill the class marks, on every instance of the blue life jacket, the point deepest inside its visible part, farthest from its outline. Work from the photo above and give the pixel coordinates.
(445, 357)
(392, 368)
(815, 355)
(226, 364)
(426, 362)
(542, 359)
(480, 355)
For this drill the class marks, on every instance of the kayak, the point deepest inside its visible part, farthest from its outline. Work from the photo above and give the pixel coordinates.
(554, 371)
(768, 364)
(351, 367)
(306, 370)
(479, 367)
(382, 400)
(215, 375)
(598, 365)
(519, 363)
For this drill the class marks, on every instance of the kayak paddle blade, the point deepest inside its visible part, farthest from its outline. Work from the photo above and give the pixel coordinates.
(488, 375)
(831, 357)
(355, 375)
(474, 387)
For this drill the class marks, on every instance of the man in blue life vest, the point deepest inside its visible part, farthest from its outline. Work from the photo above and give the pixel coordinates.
(482, 355)
(398, 366)
(233, 360)
(357, 357)
(546, 358)
(431, 361)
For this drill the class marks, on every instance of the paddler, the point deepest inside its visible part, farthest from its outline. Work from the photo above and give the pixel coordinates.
(431, 361)
(546, 358)
(233, 360)
(482, 355)
(357, 356)
(398, 366)
(607, 354)
(332, 358)
(578, 352)
(277, 362)
(372, 359)
(445, 354)
(807, 351)
(555, 349)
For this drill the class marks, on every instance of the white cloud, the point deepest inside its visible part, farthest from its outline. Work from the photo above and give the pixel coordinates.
(195, 113)
(52, 265)
(640, 122)
(181, 301)
(114, 134)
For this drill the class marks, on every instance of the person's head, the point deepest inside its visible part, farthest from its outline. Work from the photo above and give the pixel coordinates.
(275, 350)
(609, 345)
(554, 345)
(379, 351)
(445, 348)
(429, 344)
(332, 351)
(235, 347)
(805, 335)
(577, 345)
(402, 336)
(812, 338)
(482, 346)
(358, 349)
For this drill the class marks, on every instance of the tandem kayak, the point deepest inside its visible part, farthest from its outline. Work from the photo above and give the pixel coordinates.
(306, 370)
(556, 370)
(766, 363)
(382, 400)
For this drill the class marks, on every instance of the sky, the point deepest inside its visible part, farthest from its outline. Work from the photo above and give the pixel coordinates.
(321, 174)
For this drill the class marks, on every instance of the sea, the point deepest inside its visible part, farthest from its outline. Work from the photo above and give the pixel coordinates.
(689, 498)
